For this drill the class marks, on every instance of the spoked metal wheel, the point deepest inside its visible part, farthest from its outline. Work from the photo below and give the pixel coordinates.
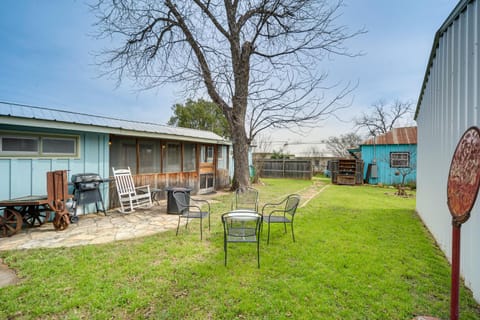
(10, 222)
(35, 216)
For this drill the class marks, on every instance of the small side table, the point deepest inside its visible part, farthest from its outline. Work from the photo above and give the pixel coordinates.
(155, 194)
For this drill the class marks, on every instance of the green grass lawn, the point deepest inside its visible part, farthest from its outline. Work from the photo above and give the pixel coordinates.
(361, 253)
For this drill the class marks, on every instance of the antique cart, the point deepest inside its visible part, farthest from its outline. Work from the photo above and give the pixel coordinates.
(35, 210)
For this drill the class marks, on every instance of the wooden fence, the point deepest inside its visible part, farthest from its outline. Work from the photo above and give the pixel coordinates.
(296, 169)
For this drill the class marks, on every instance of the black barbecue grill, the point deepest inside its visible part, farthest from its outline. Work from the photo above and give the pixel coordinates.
(86, 190)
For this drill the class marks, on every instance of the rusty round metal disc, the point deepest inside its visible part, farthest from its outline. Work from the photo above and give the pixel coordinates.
(464, 176)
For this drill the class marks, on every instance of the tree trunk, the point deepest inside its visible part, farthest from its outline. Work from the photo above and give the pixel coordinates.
(241, 174)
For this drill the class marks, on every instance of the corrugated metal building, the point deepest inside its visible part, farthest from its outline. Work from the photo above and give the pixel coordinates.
(448, 105)
(394, 154)
(34, 140)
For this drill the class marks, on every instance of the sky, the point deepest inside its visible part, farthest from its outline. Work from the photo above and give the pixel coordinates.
(47, 59)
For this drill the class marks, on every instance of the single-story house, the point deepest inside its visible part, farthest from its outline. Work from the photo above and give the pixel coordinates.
(390, 156)
(448, 105)
(34, 140)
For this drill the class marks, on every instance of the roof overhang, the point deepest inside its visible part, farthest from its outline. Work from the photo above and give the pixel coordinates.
(40, 123)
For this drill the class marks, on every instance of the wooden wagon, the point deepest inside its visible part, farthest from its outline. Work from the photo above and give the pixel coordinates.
(35, 210)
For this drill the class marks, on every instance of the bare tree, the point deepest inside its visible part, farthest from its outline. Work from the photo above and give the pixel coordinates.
(384, 117)
(255, 59)
(339, 146)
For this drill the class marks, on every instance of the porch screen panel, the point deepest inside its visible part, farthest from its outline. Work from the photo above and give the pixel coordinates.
(149, 156)
(123, 153)
(172, 157)
(222, 157)
(189, 158)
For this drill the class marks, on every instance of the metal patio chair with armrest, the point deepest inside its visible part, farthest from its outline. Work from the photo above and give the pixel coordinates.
(191, 208)
(131, 197)
(245, 198)
(242, 226)
(281, 212)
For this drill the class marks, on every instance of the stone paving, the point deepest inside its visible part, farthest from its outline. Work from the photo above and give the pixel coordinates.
(95, 228)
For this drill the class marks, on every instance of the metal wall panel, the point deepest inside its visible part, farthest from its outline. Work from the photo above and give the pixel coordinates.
(449, 105)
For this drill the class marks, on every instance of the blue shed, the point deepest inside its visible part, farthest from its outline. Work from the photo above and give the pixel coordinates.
(390, 157)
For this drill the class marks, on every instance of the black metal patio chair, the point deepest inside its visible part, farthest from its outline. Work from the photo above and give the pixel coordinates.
(242, 226)
(281, 212)
(191, 208)
(245, 198)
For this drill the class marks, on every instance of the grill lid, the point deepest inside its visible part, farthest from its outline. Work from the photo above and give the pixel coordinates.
(86, 177)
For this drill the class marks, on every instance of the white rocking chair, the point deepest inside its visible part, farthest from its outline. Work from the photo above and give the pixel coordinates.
(130, 197)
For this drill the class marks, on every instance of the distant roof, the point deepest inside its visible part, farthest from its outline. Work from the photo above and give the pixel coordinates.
(20, 114)
(405, 135)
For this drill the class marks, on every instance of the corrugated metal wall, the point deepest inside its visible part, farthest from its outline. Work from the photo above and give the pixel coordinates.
(450, 105)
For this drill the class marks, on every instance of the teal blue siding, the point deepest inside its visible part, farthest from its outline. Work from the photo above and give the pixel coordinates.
(27, 176)
(381, 153)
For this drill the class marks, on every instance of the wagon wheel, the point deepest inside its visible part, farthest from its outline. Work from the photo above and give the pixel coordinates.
(35, 217)
(61, 221)
(10, 222)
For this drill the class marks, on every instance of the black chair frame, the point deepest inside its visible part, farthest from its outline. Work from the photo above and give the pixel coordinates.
(242, 226)
(281, 212)
(191, 211)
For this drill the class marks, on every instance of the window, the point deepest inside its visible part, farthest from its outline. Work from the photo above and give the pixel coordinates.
(20, 145)
(189, 157)
(61, 146)
(172, 157)
(222, 157)
(149, 156)
(399, 159)
(38, 145)
(206, 153)
(206, 181)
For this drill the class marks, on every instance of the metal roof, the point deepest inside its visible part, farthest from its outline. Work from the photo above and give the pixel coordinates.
(405, 135)
(20, 114)
(459, 8)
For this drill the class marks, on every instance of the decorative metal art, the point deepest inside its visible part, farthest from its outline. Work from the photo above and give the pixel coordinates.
(464, 176)
(462, 191)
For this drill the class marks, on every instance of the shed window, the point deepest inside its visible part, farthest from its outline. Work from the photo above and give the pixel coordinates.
(399, 159)
(19, 145)
(38, 145)
(61, 146)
